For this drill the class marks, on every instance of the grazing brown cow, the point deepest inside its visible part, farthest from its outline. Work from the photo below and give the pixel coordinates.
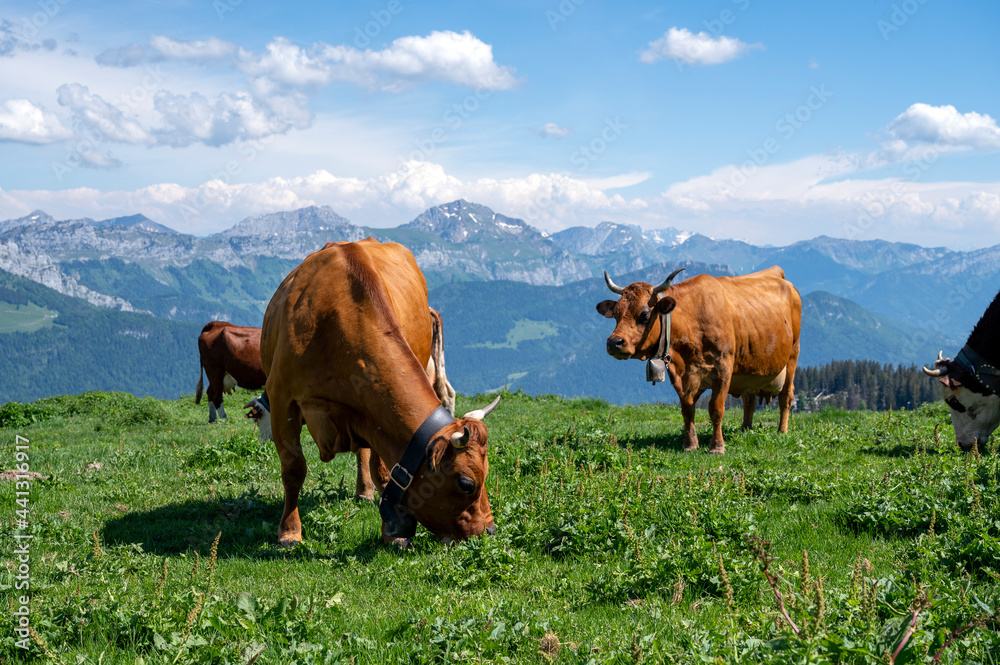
(230, 357)
(345, 344)
(733, 335)
(364, 488)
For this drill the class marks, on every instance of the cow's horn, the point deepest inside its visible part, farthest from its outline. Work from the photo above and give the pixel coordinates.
(479, 414)
(611, 285)
(663, 287)
(940, 366)
(460, 439)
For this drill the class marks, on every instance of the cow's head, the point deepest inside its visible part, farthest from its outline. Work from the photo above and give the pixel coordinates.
(975, 414)
(637, 313)
(448, 496)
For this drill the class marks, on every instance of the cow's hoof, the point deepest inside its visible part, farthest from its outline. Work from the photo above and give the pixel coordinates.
(689, 448)
(288, 543)
(717, 450)
(366, 496)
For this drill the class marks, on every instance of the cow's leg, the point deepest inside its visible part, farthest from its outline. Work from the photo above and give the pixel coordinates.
(214, 392)
(787, 393)
(717, 409)
(286, 427)
(363, 488)
(379, 472)
(749, 405)
(687, 411)
(222, 412)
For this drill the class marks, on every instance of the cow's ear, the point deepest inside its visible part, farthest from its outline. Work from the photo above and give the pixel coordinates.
(606, 308)
(665, 305)
(437, 454)
(950, 382)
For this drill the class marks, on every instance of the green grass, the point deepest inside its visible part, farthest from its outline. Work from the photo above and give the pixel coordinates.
(608, 547)
(24, 318)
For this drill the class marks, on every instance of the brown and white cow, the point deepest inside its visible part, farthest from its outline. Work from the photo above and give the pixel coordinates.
(345, 343)
(731, 335)
(230, 357)
(970, 384)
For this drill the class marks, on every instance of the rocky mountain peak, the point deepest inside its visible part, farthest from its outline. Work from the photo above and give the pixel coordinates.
(137, 221)
(312, 219)
(33, 217)
(462, 222)
(610, 237)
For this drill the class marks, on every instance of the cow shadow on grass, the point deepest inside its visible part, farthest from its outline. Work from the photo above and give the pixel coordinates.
(673, 440)
(902, 451)
(667, 441)
(248, 525)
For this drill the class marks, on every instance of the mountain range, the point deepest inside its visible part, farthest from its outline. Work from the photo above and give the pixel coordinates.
(518, 302)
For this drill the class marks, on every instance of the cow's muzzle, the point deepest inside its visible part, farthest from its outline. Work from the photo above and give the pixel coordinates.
(615, 345)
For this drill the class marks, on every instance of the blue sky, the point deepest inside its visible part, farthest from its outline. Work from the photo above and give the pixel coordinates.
(770, 122)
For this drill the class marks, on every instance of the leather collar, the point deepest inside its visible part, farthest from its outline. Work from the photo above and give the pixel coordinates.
(399, 521)
(986, 377)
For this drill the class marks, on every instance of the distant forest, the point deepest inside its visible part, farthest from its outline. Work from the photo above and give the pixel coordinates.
(863, 384)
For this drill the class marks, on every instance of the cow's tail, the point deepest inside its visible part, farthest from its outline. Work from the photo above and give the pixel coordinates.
(442, 387)
(201, 385)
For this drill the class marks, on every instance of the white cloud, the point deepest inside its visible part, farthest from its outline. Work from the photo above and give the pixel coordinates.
(286, 64)
(447, 56)
(451, 57)
(162, 48)
(94, 158)
(278, 84)
(695, 49)
(619, 181)
(124, 56)
(790, 202)
(229, 117)
(95, 113)
(946, 127)
(19, 36)
(554, 130)
(549, 201)
(212, 48)
(25, 122)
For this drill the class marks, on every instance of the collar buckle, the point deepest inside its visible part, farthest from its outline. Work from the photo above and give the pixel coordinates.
(409, 477)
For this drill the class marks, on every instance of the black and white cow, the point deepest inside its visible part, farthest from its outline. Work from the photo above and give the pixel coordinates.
(970, 384)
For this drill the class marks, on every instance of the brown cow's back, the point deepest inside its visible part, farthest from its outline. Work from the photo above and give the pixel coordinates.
(764, 323)
(322, 317)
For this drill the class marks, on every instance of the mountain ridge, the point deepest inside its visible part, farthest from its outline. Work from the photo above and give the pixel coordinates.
(130, 263)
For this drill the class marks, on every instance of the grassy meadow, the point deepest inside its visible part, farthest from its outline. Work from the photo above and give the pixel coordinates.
(154, 542)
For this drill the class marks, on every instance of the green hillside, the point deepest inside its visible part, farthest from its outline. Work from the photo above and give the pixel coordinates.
(543, 339)
(199, 292)
(89, 348)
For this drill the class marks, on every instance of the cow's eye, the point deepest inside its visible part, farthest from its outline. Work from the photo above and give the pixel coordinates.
(643, 316)
(466, 485)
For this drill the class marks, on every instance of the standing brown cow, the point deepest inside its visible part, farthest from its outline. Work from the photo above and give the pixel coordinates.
(731, 335)
(230, 357)
(345, 344)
